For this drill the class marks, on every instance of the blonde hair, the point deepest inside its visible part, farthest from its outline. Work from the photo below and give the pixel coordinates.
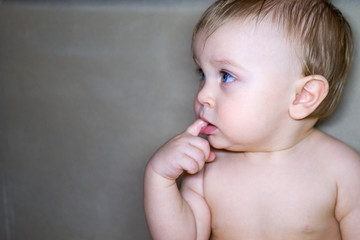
(317, 27)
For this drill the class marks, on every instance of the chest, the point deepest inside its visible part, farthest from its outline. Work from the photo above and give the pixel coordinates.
(254, 201)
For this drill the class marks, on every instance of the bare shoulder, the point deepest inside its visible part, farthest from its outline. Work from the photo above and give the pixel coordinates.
(335, 151)
(332, 149)
(343, 160)
(345, 164)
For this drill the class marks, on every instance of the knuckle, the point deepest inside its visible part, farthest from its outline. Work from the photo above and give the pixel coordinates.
(192, 167)
(199, 155)
(204, 144)
(205, 148)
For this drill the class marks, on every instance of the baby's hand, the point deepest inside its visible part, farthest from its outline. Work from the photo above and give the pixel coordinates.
(185, 152)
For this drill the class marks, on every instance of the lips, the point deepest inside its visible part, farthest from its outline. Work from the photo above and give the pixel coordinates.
(208, 129)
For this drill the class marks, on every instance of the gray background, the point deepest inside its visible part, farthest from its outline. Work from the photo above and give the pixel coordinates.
(89, 90)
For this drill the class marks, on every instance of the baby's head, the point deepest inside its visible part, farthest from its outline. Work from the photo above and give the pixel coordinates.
(318, 31)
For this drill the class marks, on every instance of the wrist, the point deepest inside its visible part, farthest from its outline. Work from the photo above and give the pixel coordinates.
(156, 178)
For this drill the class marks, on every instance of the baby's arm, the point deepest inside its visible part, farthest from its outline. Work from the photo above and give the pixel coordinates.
(348, 197)
(169, 213)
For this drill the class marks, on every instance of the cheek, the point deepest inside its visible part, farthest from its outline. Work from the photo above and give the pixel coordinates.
(231, 112)
(241, 111)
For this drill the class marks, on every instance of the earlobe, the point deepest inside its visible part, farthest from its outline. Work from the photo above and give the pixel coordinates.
(309, 93)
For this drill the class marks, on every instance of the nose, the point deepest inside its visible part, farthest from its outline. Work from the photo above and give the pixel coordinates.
(206, 95)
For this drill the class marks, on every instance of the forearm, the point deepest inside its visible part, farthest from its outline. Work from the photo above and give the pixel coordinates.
(167, 213)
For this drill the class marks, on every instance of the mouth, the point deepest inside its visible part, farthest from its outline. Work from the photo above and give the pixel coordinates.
(208, 129)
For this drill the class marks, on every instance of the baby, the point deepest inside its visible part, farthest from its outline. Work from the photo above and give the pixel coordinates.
(270, 70)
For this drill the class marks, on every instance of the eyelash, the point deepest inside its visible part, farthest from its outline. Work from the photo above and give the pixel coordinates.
(201, 73)
(223, 73)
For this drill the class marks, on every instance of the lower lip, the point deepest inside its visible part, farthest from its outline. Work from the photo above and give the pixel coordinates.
(209, 129)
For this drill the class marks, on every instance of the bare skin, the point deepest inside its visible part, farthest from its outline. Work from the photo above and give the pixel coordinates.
(291, 197)
(274, 177)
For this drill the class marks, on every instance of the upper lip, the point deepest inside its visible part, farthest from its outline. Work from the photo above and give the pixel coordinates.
(205, 120)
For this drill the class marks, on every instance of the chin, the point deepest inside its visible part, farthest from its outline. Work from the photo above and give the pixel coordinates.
(222, 144)
(218, 143)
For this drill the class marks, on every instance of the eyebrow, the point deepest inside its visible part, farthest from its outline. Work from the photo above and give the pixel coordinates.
(230, 62)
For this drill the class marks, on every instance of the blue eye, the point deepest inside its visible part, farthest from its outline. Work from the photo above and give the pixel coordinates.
(226, 78)
(202, 74)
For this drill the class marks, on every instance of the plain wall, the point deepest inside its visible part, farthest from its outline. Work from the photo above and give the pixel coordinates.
(88, 93)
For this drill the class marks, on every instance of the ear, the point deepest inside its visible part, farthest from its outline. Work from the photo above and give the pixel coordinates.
(310, 91)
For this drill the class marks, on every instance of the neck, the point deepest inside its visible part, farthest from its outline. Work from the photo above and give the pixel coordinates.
(287, 144)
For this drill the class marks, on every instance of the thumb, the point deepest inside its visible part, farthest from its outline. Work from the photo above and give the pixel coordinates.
(195, 128)
(212, 157)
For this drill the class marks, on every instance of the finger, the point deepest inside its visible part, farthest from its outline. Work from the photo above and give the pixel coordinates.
(202, 145)
(211, 157)
(195, 153)
(189, 164)
(195, 127)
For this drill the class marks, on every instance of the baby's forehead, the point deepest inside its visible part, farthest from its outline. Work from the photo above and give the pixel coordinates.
(248, 44)
(244, 28)
(249, 24)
